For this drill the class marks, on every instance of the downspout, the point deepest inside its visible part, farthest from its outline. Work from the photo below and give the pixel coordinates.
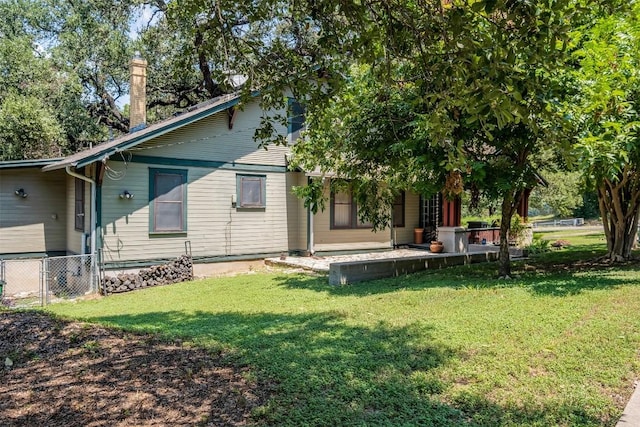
(310, 248)
(92, 212)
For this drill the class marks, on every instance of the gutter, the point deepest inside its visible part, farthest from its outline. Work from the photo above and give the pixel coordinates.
(92, 212)
(310, 237)
(310, 243)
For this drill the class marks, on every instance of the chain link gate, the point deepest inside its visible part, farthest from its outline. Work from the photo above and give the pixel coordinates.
(69, 277)
(21, 279)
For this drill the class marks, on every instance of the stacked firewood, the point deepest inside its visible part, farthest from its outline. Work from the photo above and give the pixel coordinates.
(178, 270)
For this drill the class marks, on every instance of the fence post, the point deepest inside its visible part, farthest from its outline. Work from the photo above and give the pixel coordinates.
(100, 270)
(94, 273)
(45, 275)
(41, 282)
(3, 278)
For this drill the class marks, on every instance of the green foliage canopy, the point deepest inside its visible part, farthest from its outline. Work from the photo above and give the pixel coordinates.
(73, 57)
(561, 196)
(452, 94)
(606, 112)
(28, 129)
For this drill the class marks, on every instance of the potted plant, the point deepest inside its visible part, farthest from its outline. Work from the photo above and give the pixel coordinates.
(436, 245)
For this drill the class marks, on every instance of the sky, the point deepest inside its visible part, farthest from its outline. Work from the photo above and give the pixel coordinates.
(144, 18)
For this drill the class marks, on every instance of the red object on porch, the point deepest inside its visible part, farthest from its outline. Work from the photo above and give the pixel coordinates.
(451, 212)
(523, 207)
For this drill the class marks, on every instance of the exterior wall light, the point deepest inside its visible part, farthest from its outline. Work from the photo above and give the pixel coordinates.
(20, 193)
(126, 195)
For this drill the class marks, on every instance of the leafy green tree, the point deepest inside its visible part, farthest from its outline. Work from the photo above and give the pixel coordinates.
(73, 56)
(28, 129)
(31, 78)
(589, 208)
(97, 38)
(562, 196)
(453, 95)
(606, 110)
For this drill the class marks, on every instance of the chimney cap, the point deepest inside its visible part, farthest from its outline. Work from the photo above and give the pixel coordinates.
(138, 60)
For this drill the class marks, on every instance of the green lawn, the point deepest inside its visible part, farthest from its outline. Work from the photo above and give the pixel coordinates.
(580, 236)
(558, 345)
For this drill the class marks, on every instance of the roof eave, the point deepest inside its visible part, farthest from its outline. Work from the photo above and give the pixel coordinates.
(144, 137)
(16, 164)
(56, 166)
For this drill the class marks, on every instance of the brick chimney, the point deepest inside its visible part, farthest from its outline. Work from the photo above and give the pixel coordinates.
(137, 93)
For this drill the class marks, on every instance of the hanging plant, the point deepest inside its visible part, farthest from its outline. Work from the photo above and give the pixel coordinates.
(453, 185)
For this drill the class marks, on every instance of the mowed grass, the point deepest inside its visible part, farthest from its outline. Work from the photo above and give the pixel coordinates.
(556, 345)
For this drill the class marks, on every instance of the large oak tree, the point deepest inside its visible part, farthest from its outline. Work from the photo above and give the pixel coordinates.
(71, 59)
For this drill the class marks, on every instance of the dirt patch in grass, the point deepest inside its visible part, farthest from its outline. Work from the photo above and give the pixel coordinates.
(60, 373)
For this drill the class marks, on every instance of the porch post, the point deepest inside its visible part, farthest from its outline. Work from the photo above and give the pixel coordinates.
(310, 249)
(523, 206)
(453, 237)
(451, 212)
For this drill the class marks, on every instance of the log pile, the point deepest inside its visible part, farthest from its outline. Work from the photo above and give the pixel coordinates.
(178, 270)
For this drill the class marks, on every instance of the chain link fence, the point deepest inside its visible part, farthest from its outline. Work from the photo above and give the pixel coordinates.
(22, 279)
(42, 280)
(70, 277)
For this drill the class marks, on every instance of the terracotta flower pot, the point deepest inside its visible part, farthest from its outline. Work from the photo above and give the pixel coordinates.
(436, 247)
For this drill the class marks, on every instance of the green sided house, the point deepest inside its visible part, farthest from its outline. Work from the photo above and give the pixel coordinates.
(199, 183)
(195, 183)
(33, 210)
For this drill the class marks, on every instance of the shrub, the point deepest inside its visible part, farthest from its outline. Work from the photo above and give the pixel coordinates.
(538, 244)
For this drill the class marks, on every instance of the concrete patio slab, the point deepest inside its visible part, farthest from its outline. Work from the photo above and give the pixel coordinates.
(353, 268)
(320, 264)
(342, 273)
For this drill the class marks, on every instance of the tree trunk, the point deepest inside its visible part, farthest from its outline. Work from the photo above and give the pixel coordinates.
(618, 203)
(509, 204)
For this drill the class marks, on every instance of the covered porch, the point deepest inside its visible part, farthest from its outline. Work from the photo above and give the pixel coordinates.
(441, 220)
(416, 221)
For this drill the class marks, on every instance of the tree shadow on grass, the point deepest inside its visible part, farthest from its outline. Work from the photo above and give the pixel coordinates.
(555, 284)
(565, 412)
(565, 273)
(324, 371)
(575, 283)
